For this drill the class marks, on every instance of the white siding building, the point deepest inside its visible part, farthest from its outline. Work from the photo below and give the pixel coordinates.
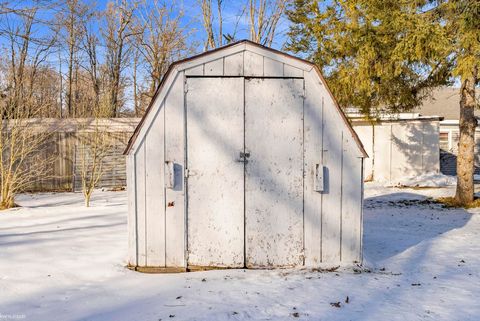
(400, 146)
(244, 159)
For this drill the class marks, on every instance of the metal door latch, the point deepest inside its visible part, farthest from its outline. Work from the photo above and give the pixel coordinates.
(244, 157)
(170, 174)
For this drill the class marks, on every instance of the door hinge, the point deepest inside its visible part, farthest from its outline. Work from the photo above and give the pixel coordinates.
(187, 172)
(185, 87)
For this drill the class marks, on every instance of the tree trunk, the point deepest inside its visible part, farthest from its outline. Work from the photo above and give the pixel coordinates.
(70, 83)
(7, 203)
(7, 199)
(466, 144)
(87, 199)
(135, 87)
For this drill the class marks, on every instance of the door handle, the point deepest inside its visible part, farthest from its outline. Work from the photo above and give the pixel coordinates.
(243, 157)
(318, 180)
(170, 174)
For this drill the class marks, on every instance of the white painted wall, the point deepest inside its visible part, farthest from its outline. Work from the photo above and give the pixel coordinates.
(365, 132)
(400, 149)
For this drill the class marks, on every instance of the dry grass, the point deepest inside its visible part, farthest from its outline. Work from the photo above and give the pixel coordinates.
(423, 187)
(6, 207)
(451, 202)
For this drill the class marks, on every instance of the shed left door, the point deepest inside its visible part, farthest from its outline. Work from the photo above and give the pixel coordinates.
(215, 139)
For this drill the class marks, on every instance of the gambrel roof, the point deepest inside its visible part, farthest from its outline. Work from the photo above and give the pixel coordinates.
(195, 66)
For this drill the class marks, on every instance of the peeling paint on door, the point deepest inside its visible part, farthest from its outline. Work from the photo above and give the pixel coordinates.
(215, 183)
(271, 185)
(274, 173)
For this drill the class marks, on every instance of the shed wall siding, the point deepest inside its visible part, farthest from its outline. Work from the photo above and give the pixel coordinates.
(233, 65)
(253, 64)
(155, 191)
(333, 219)
(214, 68)
(131, 204)
(352, 195)
(140, 205)
(175, 152)
(245, 63)
(149, 199)
(195, 71)
(332, 201)
(313, 146)
(272, 68)
(290, 71)
(230, 51)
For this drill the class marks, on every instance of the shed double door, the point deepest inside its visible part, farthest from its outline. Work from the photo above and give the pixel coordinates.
(245, 172)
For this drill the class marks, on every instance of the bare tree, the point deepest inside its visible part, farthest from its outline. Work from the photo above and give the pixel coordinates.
(5, 8)
(119, 17)
(89, 44)
(264, 16)
(138, 90)
(23, 97)
(27, 53)
(8, 7)
(75, 10)
(93, 145)
(160, 39)
(208, 21)
(213, 25)
(21, 159)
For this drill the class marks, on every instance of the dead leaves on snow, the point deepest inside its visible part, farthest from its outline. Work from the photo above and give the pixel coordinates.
(338, 304)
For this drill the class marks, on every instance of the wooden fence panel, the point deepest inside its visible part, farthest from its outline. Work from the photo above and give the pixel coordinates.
(62, 151)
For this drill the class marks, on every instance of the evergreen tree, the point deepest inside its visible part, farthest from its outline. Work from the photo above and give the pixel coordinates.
(461, 19)
(374, 53)
(390, 54)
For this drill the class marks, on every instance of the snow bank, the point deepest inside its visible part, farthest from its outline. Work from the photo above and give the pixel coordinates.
(428, 180)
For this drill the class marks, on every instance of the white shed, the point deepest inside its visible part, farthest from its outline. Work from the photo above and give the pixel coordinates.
(401, 147)
(243, 159)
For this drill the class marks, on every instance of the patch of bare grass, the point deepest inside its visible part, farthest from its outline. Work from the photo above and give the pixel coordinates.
(451, 202)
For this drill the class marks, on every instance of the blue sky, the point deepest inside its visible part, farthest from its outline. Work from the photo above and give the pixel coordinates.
(192, 19)
(232, 11)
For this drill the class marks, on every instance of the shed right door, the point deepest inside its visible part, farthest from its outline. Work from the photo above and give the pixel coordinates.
(274, 172)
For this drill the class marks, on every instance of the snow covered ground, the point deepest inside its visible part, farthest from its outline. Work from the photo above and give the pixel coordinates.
(61, 261)
(428, 180)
